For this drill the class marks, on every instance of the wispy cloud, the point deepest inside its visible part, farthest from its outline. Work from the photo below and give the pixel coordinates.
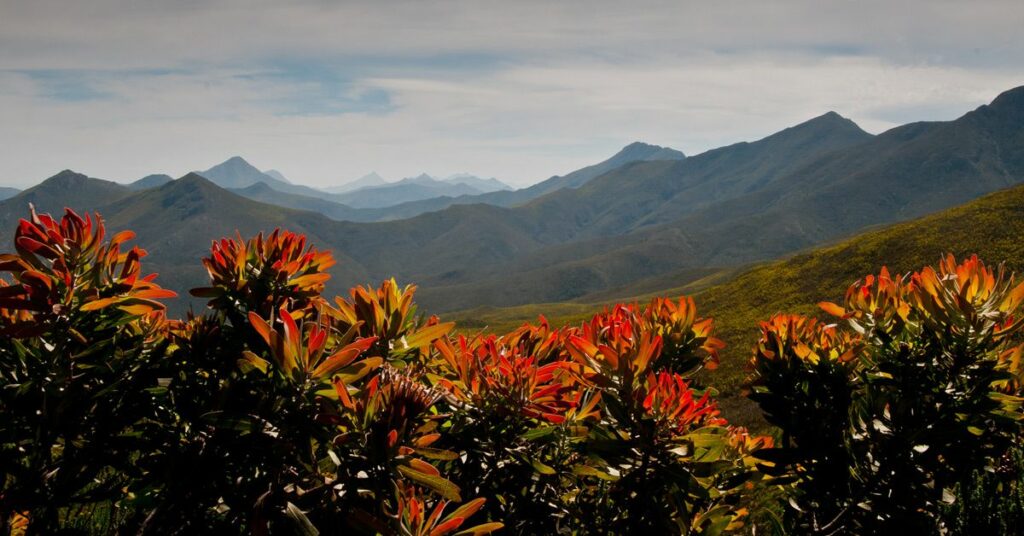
(327, 91)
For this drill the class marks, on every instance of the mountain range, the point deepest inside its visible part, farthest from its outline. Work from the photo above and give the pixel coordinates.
(643, 223)
(369, 192)
(370, 180)
(418, 188)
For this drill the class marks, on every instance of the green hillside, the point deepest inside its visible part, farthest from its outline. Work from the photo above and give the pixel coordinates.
(992, 227)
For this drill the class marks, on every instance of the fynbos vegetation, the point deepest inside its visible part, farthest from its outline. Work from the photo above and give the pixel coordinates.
(278, 410)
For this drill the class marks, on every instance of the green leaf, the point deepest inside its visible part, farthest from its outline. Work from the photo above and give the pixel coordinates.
(586, 470)
(250, 361)
(537, 433)
(542, 468)
(437, 454)
(357, 370)
(442, 486)
(425, 336)
(479, 530)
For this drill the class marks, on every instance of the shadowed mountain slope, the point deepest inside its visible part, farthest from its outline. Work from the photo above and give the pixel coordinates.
(904, 173)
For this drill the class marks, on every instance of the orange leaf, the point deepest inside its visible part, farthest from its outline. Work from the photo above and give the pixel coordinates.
(342, 358)
(833, 309)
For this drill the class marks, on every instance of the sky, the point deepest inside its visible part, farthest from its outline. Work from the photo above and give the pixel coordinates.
(327, 91)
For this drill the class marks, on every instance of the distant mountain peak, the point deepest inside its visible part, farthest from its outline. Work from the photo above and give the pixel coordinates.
(193, 178)
(639, 150)
(151, 181)
(370, 180)
(828, 124)
(67, 174)
(640, 145)
(236, 172)
(235, 162)
(65, 178)
(1009, 99)
(829, 119)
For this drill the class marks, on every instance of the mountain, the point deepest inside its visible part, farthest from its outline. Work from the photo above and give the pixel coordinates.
(481, 184)
(369, 180)
(65, 189)
(336, 211)
(634, 152)
(708, 211)
(411, 189)
(277, 175)
(602, 235)
(416, 195)
(150, 181)
(641, 224)
(6, 192)
(237, 173)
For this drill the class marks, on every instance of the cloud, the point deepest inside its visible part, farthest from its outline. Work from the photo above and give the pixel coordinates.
(327, 91)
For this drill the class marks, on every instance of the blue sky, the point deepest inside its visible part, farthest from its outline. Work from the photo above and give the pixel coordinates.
(329, 91)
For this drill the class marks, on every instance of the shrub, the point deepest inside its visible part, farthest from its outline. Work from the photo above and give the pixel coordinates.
(882, 419)
(277, 410)
(81, 332)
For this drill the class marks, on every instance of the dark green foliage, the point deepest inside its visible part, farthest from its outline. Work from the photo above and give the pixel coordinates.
(991, 501)
(79, 369)
(277, 412)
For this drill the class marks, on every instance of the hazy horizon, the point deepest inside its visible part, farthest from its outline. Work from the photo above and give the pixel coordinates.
(327, 93)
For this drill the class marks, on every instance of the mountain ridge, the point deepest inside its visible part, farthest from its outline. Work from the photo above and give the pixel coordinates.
(813, 183)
